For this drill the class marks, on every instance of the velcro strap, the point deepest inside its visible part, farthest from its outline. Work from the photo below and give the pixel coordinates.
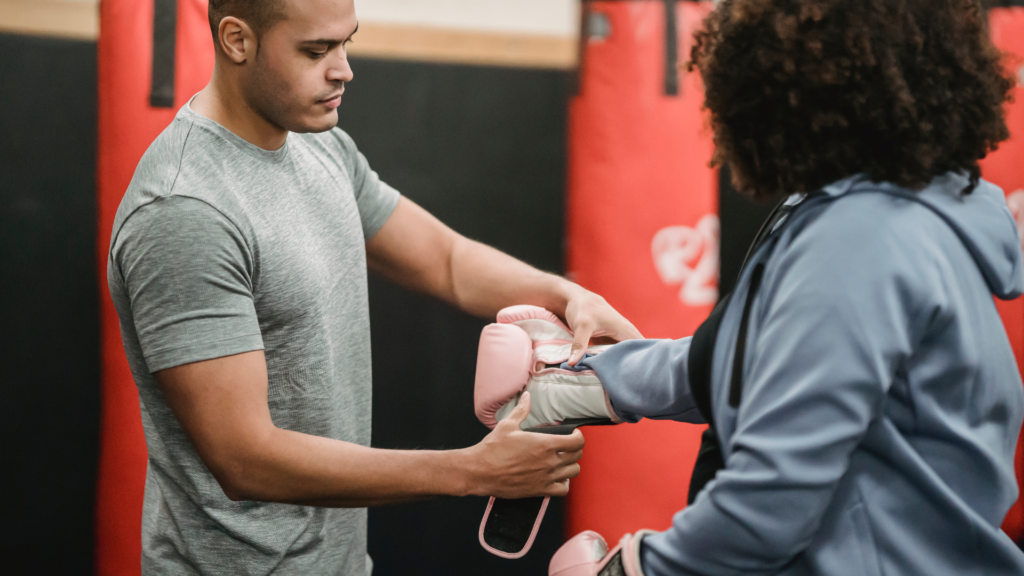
(509, 527)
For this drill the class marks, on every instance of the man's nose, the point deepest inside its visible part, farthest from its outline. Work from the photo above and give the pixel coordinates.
(340, 71)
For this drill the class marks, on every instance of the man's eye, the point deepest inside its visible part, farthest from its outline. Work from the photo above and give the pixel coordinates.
(316, 55)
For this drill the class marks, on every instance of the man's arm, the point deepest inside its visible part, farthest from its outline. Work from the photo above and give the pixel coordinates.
(222, 406)
(417, 251)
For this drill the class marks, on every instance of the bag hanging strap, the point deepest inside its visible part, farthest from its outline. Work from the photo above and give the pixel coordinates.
(165, 24)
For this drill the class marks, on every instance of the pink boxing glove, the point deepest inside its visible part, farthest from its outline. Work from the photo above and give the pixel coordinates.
(523, 351)
(586, 554)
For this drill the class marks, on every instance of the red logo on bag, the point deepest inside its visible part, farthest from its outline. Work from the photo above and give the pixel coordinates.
(689, 256)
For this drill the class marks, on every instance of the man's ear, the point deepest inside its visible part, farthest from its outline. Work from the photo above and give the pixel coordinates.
(236, 39)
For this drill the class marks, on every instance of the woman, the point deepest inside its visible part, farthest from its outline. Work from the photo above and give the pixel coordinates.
(864, 394)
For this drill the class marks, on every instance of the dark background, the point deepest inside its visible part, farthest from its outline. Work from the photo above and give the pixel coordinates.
(49, 307)
(483, 149)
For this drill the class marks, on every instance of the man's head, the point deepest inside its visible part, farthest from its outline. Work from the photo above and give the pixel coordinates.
(285, 59)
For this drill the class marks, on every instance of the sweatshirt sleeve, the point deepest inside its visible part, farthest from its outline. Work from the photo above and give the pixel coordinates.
(834, 327)
(647, 379)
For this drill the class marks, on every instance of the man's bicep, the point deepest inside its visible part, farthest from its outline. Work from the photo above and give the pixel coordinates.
(413, 249)
(221, 404)
(186, 273)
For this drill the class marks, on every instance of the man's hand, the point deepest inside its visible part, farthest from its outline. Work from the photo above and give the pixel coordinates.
(590, 316)
(510, 463)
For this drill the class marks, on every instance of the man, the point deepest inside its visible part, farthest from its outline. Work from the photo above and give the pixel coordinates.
(238, 268)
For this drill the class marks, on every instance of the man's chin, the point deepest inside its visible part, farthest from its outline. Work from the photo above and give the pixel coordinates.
(317, 123)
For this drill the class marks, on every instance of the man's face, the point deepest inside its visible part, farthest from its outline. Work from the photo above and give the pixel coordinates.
(299, 73)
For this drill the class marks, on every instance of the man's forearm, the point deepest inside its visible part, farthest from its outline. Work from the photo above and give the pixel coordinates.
(291, 467)
(485, 280)
(417, 251)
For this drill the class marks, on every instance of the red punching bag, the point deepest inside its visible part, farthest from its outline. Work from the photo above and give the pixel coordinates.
(643, 233)
(153, 56)
(1003, 168)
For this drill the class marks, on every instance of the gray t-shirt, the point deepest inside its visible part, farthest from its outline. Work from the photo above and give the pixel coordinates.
(218, 248)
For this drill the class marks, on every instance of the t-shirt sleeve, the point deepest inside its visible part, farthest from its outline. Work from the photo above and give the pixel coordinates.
(187, 272)
(376, 200)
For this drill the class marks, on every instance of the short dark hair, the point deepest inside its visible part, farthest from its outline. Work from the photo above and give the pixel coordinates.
(260, 15)
(805, 92)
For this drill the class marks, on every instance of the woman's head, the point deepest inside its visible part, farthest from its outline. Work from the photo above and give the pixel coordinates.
(805, 92)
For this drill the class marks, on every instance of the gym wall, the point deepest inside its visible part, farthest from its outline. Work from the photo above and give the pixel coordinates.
(464, 111)
(49, 314)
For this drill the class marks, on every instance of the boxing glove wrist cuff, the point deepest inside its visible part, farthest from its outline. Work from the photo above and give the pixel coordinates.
(629, 548)
(526, 350)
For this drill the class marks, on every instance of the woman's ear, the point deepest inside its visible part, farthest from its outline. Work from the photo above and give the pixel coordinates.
(237, 40)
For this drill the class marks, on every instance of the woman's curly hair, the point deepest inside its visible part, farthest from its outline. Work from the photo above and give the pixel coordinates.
(806, 92)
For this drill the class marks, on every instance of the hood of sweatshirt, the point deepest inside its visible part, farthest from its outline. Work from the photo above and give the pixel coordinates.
(981, 220)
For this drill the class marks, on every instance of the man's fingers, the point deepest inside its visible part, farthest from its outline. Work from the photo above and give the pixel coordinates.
(572, 443)
(557, 489)
(570, 457)
(630, 333)
(580, 341)
(566, 472)
(521, 411)
(620, 331)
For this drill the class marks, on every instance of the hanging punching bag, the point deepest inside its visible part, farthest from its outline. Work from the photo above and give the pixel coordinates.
(153, 56)
(643, 233)
(1003, 168)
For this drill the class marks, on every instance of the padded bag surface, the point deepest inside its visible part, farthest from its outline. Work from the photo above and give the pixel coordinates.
(128, 124)
(642, 232)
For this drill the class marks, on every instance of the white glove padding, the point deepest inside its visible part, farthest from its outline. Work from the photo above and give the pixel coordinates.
(586, 554)
(523, 351)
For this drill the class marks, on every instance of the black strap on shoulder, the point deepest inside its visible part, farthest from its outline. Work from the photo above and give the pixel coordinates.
(165, 24)
(699, 362)
(736, 386)
(709, 462)
(702, 346)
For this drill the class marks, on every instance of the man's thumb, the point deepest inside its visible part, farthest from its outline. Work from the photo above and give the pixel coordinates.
(579, 346)
(521, 411)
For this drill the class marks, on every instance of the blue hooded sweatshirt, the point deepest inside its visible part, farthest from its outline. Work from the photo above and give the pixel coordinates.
(881, 402)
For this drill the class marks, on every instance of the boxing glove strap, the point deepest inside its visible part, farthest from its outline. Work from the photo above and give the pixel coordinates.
(509, 526)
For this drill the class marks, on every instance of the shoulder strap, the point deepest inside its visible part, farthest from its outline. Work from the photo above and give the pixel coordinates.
(699, 360)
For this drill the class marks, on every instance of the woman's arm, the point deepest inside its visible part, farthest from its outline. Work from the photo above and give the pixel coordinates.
(647, 379)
